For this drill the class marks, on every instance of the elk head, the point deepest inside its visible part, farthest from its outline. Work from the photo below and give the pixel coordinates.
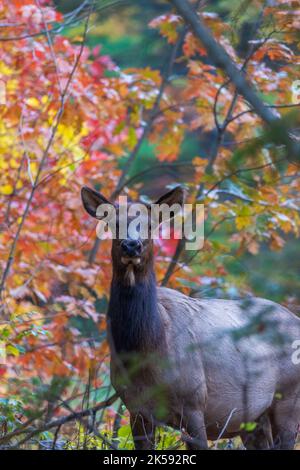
(132, 251)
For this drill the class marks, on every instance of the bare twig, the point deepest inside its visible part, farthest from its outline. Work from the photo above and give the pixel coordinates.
(72, 19)
(224, 427)
(50, 42)
(57, 423)
(274, 106)
(117, 422)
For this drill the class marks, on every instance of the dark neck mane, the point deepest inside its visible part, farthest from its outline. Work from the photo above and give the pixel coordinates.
(134, 322)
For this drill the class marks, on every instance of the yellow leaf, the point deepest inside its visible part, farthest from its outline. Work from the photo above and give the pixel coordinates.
(3, 164)
(10, 349)
(244, 218)
(33, 102)
(4, 69)
(7, 189)
(14, 163)
(242, 222)
(23, 309)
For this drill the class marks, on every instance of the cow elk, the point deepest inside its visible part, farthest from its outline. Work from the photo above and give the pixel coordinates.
(204, 366)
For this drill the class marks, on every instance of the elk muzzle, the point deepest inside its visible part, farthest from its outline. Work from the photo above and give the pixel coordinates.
(131, 248)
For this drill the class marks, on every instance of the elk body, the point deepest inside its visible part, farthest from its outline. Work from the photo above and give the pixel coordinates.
(203, 366)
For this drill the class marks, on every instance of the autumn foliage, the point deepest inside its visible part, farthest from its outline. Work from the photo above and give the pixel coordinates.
(70, 116)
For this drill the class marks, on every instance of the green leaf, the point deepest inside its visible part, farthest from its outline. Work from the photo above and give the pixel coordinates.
(249, 427)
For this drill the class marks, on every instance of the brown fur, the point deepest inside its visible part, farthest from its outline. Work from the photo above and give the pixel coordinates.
(205, 366)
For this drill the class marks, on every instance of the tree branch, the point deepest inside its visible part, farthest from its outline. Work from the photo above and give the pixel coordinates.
(57, 423)
(215, 51)
(221, 59)
(43, 160)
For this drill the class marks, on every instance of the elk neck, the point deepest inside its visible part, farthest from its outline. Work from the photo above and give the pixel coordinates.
(135, 324)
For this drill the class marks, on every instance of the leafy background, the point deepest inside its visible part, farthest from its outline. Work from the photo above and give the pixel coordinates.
(78, 100)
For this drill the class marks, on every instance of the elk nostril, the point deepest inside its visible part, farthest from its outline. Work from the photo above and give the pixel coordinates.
(138, 247)
(131, 247)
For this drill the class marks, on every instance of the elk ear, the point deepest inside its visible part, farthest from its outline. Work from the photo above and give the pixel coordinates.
(174, 200)
(91, 200)
(175, 196)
